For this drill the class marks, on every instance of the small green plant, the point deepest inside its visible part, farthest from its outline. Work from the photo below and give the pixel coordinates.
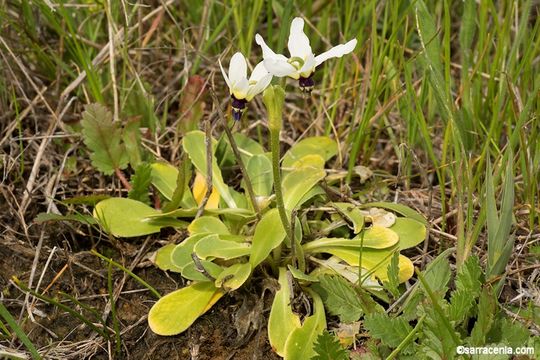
(336, 253)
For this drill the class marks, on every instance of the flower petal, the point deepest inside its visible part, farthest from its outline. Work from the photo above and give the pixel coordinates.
(298, 41)
(237, 69)
(336, 51)
(258, 72)
(240, 89)
(280, 68)
(225, 75)
(267, 52)
(259, 86)
(309, 66)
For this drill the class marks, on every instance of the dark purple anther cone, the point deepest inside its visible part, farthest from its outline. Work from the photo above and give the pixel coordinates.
(238, 107)
(306, 84)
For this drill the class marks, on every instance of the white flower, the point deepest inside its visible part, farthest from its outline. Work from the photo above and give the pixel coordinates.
(241, 88)
(302, 63)
(239, 85)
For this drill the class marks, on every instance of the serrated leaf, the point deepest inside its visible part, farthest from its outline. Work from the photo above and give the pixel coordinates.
(392, 283)
(175, 312)
(103, 138)
(140, 182)
(391, 331)
(487, 309)
(327, 347)
(282, 320)
(341, 298)
(132, 140)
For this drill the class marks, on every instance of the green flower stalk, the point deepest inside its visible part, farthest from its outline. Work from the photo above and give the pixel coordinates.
(274, 97)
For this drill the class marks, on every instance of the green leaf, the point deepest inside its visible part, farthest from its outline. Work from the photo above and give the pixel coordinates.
(299, 275)
(411, 232)
(340, 298)
(322, 146)
(181, 254)
(399, 208)
(103, 137)
(391, 331)
(163, 258)
(175, 312)
(213, 246)
(194, 146)
(140, 182)
(125, 217)
(207, 224)
(393, 275)
(299, 344)
(233, 277)
(247, 146)
(328, 347)
(259, 169)
(132, 140)
(282, 320)
(376, 237)
(298, 183)
(193, 272)
(487, 309)
(164, 178)
(84, 219)
(269, 233)
(352, 214)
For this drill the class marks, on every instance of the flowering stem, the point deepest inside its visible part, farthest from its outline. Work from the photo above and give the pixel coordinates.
(236, 152)
(274, 146)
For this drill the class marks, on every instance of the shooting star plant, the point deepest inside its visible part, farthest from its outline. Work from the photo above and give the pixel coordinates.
(241, 88)
(302, 63)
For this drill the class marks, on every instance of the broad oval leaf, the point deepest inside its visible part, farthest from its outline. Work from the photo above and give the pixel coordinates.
(233, 277)
(194, 146)
(282, 320)
(181, 254)
(312, 160)
(399, 208)
(193, 272)
(300, 342)
(378, 237)
(164, 178)
(162, 258)
(410, 231)
(322, 146)
(125, 217)
(175, 312)
(374, 259)
(259, 169)
(207, 224)
(352, 214)
(269, 233)
(298, 183)
(214, 246)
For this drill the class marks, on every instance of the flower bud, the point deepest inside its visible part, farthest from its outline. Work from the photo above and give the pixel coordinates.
(274, 97)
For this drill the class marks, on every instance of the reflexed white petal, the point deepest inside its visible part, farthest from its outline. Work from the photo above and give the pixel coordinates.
(309, 66)
(280, 68)
(267, 52)
(298, 41)
(336, 51)
(258, 72)
(259, 86)
(240, 89)
(225, 75)
(237, 69)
